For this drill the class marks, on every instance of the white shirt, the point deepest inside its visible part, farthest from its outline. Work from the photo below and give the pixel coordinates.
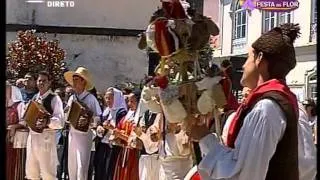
(261, 140)
(56, 121)
(262, 129)
(307, 150)
(92, 104)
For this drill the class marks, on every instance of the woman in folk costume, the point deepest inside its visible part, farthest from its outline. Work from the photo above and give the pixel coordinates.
(80, 142)
(16, 139)
(262, 138)
(106, 150)
(127, 166)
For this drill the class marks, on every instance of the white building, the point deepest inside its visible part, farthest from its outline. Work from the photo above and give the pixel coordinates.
(100, 35)
(240, 28)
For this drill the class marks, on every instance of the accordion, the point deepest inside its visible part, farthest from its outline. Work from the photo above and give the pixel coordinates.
(76, 111)
(34, 112)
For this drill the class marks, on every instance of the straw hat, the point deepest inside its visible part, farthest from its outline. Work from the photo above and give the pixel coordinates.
(82, 72)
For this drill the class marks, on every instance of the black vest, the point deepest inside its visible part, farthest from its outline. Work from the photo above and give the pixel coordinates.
(284, 162)
(46, 102)
(149, 120)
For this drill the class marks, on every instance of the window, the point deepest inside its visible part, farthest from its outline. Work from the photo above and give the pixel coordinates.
(197, 5)
(269, 21)
(239, 22)
(313, 28)
(273, 19)
(312, 92)
(284, 17)
(314, 11)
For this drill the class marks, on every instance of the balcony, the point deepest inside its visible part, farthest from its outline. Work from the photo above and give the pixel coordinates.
(313, 32)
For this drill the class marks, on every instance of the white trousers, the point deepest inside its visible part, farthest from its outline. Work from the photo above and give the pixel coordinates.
(175, 168)
(79, 154)
(42, 158)
(149, 166)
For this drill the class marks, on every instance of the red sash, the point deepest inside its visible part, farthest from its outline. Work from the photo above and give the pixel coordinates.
(271, 85)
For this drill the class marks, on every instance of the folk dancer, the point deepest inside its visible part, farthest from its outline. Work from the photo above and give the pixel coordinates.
(265, 127)
(175, 149)
(149, 163)
(127, 166)
(80, 142)
(106, 151)
(42, 157)
(16, 134)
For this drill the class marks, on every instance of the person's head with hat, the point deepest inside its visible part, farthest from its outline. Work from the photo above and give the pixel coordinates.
(80, 80)
(271, 56)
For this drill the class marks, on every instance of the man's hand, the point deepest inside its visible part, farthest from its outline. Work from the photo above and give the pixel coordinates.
(197, 132)
(82, 122)
(138, 131)
(100, 130)
(107, 125)
(41, 123)
(12, 131)
(154, 133)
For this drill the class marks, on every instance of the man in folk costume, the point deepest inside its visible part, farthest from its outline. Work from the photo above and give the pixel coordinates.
(106, 149)
(17, 134)
(306, 148)
(262, 140)
(80, 142)
(42, 159)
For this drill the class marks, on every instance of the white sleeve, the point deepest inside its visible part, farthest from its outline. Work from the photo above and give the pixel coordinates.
(57, 119)
(150, 147)
(255, 145)
(307, 149)
(21, 110)
(95, 107)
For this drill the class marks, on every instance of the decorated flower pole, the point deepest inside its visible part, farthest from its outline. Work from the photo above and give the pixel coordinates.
(180, 89)
(31, 53)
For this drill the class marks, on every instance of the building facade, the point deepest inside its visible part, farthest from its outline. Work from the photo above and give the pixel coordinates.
(100, 35)
(240, 28)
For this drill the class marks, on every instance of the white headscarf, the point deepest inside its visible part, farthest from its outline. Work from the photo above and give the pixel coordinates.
(118, 100)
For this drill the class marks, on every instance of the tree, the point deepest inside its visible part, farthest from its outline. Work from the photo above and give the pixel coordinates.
(32, 53)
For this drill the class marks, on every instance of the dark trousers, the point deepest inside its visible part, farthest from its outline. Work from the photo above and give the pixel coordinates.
(62, 148)
(105, 161)
(197, 152)
(91, 169)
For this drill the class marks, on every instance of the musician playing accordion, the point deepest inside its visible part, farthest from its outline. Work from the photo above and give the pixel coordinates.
(42, 157)
(84, 113)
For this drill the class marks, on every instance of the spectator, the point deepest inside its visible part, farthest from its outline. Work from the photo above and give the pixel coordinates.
(30, 87)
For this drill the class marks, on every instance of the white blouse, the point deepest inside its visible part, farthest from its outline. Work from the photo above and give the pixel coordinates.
(255, 146)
